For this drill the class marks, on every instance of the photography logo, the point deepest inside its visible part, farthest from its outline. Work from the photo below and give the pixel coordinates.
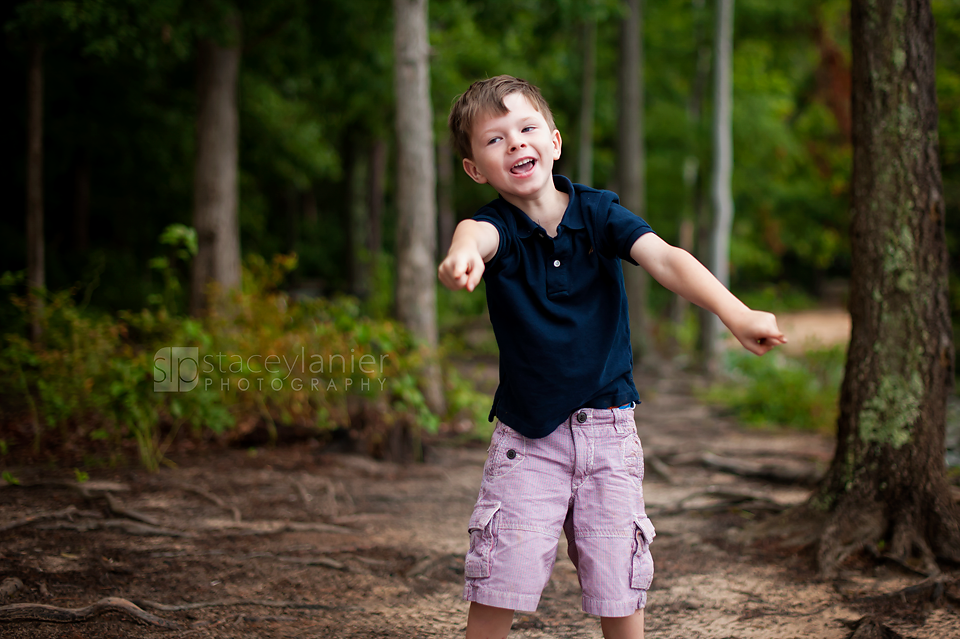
(176, 369)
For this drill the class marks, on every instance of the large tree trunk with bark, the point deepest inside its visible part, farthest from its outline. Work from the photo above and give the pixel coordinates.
(887, 480)
(416, 188)
(359, 223)
(36, 277)
(216, 193)
(587, 102)
(378, 173)
(693, 211)
(446, 218)
(711, 327)
(630, 167)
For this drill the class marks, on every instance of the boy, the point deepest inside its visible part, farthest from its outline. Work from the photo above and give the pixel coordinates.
(565, 454)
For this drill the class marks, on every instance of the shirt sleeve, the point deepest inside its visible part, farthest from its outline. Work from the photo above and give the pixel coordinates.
(487, 214)
(619, 228)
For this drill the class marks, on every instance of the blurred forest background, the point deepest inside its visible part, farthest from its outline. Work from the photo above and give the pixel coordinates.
(317, 182)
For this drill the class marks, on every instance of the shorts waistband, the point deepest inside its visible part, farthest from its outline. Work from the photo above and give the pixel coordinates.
(613, 415)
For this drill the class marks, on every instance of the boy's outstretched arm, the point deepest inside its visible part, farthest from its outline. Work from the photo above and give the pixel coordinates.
(683, 274)
(474, 243)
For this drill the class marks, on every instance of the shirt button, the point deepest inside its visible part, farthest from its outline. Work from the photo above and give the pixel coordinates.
(581, 417)
(556, 262)
(511, 454)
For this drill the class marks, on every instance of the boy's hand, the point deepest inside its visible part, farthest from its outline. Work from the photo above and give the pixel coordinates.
(462, 268)
(757, 331)
(473, 244)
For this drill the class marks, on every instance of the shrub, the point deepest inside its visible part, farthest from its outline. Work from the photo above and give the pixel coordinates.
(260, 356)
(778, 389)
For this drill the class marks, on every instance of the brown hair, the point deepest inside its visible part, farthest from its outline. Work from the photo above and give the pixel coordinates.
(485, 97)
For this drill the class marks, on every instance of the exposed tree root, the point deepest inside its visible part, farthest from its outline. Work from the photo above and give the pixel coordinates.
(871, 628)
(206, 494)
(798, 527)
(118, 509)
(273, 527)
(849, 529)
(933, 590)
(658, 466)
(86, 489)
(222, 603)
(740, 499)
(122, 525)
(55, 614)
(67, 513)
(757, 470)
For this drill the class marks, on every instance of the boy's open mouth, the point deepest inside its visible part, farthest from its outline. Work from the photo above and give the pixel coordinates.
(523, 166)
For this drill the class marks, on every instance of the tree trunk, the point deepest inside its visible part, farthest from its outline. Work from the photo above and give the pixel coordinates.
(887, 480)
(446, 217)
(692, 212)
(416, 188)
(712, 327)
(81, 202)
(358, 227)
(630, 167)
(587, 102)
(215, 191)
(36, 278)
(378, 171)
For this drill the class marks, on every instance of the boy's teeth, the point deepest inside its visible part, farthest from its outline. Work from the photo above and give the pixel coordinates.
(522, 165)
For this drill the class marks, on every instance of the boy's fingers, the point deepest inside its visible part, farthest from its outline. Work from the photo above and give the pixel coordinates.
(459, 267)
(475, 273)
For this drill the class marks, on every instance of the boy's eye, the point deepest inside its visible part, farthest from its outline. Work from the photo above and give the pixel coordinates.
(492, 140)
(528, 128)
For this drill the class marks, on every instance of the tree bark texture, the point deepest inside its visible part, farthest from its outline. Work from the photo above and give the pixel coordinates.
(693, 210)
(630, 166)
(887, 480)
(359, 223)
(722, 171)
(416, 186)
(216, 190)
(378, 171)
(446, 218)
(36, 277)
(587, 102)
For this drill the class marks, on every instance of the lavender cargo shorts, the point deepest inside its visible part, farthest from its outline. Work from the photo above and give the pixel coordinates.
(585, 479)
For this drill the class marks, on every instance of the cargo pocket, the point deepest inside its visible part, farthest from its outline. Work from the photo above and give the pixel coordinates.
(477, 564)
(642, 575)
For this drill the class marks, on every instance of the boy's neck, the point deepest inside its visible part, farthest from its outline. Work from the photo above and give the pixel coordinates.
(546, 209)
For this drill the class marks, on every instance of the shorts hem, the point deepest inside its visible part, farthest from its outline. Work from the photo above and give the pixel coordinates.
(623, 608)
(499, 599)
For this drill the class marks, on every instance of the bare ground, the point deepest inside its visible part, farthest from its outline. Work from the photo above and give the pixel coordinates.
(298, 542)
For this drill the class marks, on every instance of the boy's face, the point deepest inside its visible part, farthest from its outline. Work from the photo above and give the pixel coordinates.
(514, 152)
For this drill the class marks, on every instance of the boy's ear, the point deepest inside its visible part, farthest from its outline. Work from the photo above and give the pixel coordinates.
(473, 171)
(557, 144)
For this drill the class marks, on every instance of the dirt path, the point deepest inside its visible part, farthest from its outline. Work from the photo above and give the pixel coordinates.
(376, 550)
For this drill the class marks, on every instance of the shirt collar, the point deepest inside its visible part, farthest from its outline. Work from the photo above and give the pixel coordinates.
(572, 218)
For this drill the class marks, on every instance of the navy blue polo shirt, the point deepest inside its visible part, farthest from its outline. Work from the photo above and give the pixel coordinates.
(559, 309)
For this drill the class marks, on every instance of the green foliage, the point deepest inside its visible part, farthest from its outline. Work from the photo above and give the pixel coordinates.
(466, 403)
(781, 390)
(91, 381)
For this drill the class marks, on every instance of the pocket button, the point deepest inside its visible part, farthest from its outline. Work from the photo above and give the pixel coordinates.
(511, 454)
(581, 417)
